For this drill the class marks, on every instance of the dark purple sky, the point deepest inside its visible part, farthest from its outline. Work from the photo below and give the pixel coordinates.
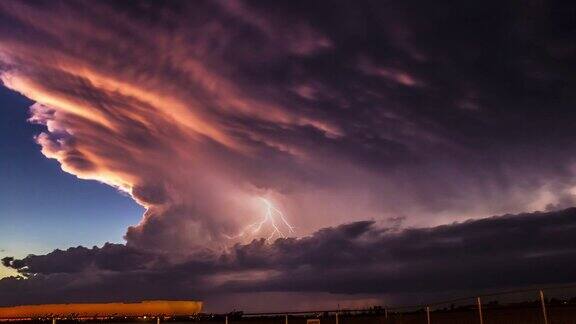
(364, 146)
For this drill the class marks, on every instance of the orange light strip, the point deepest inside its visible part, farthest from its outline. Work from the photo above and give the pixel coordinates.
(145, 308)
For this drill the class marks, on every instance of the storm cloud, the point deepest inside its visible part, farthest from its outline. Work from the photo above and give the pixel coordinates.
(392, 117)
(375, 110)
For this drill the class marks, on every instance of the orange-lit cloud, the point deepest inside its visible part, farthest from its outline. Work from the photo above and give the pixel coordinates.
(199, 109)
(395, 118)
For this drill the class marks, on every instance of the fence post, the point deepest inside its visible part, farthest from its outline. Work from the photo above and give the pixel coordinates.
(337, 319)
(543, 303)
(226, 319)
(428, 314)
(158, 320)
(53, 320)
(286, 319)
(385, 313)
(480, 310)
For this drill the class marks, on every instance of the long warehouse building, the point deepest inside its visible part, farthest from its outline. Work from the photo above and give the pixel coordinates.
(145, 308)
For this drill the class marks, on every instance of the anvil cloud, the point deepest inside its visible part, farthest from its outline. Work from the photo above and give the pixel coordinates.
(407, 113)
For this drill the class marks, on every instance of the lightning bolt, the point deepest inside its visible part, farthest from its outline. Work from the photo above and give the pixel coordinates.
(272, 216)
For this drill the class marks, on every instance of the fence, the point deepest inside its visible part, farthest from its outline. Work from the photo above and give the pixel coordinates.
(550, 305)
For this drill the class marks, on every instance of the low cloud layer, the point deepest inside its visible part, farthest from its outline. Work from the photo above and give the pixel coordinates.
(359, 260)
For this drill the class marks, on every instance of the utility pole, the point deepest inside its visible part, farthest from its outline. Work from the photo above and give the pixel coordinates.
(480, 310)
(543, 302)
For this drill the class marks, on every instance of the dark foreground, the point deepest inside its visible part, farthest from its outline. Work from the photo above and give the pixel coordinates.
(524, 314)
(553, 305)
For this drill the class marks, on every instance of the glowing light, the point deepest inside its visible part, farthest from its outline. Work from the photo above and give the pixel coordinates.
(280, 227)
(90, 310)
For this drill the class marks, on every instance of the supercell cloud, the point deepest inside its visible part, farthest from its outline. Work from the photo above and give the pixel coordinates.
(404, 113)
